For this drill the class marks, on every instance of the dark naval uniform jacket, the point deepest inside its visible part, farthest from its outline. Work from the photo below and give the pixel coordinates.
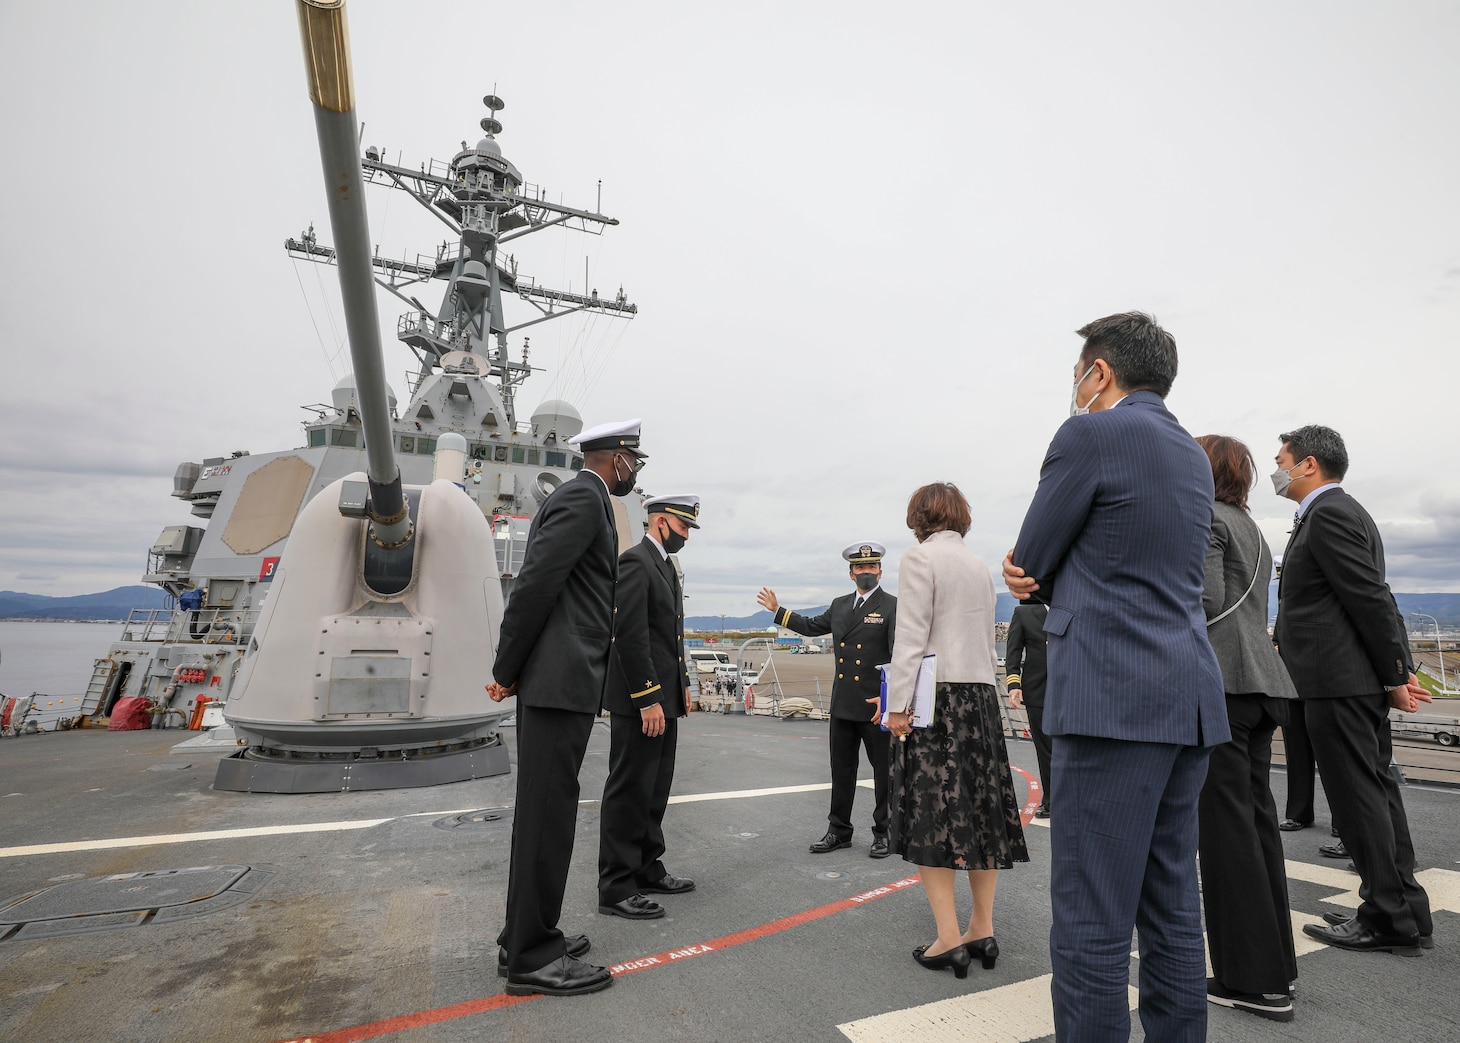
(862, 641)
(649, 641)
(1025, 656)
(557, 631)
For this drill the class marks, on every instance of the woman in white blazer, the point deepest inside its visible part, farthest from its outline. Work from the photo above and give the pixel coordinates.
(952, 798)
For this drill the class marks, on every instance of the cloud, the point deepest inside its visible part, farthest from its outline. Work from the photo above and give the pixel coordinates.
(841, 298)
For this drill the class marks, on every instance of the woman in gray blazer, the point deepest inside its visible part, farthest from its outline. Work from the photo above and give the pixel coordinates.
(951, 803)
(1244, 883)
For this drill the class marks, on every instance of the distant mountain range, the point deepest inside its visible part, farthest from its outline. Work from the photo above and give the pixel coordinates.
(115, 604)
(1444, 607)
(110, 604)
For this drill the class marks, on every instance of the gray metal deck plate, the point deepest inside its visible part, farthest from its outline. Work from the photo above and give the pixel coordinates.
(129, 900)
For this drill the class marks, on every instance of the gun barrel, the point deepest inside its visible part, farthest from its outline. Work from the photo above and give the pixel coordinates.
(323, 30)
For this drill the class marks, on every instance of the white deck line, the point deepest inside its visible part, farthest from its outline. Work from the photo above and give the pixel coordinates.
(187, 838)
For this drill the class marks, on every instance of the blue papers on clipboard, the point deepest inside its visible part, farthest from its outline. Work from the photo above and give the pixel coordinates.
(924, 690)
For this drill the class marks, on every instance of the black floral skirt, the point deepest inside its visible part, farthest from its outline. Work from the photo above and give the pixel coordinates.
(952, 802)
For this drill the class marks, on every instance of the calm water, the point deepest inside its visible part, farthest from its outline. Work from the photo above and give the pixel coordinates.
(53, 658)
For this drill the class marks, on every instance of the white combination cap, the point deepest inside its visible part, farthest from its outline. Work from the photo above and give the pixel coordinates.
(868, 553)
(616, 434)
(686, 506)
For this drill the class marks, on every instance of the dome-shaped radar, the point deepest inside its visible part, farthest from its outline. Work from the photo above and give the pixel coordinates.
(489, 145)
(557, 416)
(343, 395)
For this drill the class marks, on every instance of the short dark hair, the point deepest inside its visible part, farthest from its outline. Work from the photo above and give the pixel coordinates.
(1141, 353)
(1323, 444)
(1233, 470)
(936, 507)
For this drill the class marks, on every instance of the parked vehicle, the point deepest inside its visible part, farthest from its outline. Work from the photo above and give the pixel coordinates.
(1443, 728)
(705, 661)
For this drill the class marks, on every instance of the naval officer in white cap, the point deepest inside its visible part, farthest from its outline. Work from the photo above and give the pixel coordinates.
(861, 625)
(648, 691)
(553, 653)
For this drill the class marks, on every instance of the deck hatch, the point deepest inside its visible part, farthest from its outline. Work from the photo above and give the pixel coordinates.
(128, 900)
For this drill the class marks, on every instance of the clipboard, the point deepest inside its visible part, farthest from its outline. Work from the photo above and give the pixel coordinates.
(924, 700)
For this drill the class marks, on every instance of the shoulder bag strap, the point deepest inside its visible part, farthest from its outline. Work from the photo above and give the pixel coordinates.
(1255, 572)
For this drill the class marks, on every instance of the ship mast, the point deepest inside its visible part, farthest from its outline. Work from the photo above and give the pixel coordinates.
(482, 198)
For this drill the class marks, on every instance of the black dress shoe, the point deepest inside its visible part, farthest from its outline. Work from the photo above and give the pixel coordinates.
(956, 958)
(1275, 1006)
(1289, 825)
(1354, 935)
(565, 976)
(1426, 941)
(577, 944)
(985, 950)
(1042, 811)
(880, 848)
(634, 907)
(669, 885)
(830, 842)
(1333, 850)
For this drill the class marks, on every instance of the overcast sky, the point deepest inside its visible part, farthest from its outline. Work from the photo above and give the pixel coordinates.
(859, 236)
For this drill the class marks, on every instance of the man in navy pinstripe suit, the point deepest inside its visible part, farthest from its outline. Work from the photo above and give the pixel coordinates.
(1116, 541)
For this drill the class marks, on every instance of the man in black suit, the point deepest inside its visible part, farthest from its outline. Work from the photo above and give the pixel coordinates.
(1298, 756)
(553, 654)
(1341, 635)
(1024, 675)
(862, 626)
(648, 691)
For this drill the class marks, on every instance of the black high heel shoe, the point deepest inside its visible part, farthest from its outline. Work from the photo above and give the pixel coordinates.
(985, 949)
(957, 958)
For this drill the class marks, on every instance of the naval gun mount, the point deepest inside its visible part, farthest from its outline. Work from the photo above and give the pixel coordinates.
(367, 666)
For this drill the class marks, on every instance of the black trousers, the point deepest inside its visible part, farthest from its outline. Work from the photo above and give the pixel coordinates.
(1298, 749)
(631, 830)
(1043, 746)
(847, 739)
(550, 748)
(1244, 882)
(1352, 741)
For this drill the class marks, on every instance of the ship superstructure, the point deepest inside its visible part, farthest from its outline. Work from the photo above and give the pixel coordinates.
(468, 381)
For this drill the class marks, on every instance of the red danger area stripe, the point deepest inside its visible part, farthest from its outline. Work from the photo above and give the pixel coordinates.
(376, 1029)
(1036, 794)
(750, 934)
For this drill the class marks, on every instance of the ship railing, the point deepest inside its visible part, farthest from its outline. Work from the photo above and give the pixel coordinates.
(767, 697)
(147, 624)
(212, 626)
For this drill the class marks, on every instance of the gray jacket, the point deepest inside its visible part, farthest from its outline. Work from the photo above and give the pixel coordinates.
(1250, 664)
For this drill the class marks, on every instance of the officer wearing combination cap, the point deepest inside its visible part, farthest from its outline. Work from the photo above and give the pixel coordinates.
(861, 625)
(648, 691)
(553, 654)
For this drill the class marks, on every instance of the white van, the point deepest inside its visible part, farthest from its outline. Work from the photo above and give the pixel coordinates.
(705, 660)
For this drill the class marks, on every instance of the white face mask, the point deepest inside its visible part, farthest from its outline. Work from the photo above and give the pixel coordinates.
(1079, 410)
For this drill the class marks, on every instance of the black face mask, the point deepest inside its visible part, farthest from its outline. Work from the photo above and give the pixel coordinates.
(866, 581)
(671, 541)
(622, 486)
